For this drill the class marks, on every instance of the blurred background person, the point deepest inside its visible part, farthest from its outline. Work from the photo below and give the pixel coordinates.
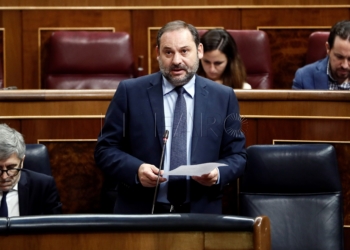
(22, 191)
(333, 71)
(221, 61)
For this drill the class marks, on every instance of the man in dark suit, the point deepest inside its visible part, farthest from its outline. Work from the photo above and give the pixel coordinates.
(23, 192)
(129, 147)
(332, 72)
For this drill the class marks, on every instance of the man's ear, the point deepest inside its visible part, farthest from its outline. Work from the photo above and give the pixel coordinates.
(200, 51)
(23, 161)
(327, 48)
(157, 51)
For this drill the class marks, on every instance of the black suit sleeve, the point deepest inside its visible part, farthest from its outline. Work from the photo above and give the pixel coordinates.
(52, 200)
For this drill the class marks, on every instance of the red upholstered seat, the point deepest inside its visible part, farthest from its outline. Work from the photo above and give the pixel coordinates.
(316, 46)
(254, 49)
(88, 60)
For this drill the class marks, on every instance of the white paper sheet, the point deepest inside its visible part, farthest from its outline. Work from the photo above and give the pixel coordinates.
(195, 170)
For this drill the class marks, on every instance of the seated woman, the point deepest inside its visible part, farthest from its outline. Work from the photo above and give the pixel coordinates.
(221, 61)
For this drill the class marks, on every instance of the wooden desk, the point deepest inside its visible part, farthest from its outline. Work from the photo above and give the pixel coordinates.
(172, 231)
(68, 123)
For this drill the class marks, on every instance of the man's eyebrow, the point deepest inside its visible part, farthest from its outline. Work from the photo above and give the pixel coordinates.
(338, 54)
(166, 47)
(11, 165)
(183, 47)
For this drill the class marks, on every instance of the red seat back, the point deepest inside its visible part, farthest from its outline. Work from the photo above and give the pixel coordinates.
(88, 60)
(316, 46)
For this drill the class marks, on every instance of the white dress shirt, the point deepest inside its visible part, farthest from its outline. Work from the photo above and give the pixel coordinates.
(12, 201)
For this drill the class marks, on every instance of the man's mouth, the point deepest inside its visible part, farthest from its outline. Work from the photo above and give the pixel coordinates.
(343, 72)
(177, 71)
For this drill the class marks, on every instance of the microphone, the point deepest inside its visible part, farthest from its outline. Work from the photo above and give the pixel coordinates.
(165, 139)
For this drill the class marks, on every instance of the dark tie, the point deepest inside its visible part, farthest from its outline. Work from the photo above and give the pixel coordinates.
(178, 153)
(3, 206)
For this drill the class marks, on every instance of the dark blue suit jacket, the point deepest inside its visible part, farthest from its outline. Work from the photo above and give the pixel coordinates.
(312, 76)
(132, 135)
(37, 194)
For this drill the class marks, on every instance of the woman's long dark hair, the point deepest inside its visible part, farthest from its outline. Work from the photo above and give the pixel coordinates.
(234, 74)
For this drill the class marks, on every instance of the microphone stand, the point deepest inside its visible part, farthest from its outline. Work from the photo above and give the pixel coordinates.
(165, 139)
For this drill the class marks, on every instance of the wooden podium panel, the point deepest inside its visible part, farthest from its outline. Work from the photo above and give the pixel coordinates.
(158, 231)
(134, 240)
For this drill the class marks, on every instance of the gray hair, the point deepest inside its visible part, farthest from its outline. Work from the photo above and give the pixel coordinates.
(11, 142)
(176, 25)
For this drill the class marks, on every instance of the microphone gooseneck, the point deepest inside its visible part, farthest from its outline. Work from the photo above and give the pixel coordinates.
(165, 139)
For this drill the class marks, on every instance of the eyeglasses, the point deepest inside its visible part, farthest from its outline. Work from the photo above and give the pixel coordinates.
(11, 172)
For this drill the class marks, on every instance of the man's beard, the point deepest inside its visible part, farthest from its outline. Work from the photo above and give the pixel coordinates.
(341, 76)
(178, 81)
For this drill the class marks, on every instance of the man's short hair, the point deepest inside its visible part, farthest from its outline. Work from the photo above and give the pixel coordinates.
(11, 141)
(341, 29)
(176, 25)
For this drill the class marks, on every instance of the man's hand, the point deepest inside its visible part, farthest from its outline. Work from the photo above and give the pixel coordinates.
(148, 175)
(207, 179)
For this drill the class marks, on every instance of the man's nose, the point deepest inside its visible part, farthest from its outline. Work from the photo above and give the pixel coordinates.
(177, 59)
(345, 63)
(3, 175)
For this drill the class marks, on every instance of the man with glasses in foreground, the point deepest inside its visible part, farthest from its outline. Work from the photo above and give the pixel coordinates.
(23, 192)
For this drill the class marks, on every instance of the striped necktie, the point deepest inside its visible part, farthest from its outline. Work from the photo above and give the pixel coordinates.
(178, 153)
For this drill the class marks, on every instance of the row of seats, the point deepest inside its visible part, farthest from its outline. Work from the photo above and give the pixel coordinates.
(296, 186)
(100, 60)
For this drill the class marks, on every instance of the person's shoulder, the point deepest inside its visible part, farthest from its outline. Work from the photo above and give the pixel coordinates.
(211, 85)
(142, 79)
(246, 86)
(32, 175)
(320, 64)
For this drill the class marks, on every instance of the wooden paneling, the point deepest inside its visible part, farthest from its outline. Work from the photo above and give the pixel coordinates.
(303, 129)
(41, 129)
(109, 240)
(13, 64)
(90, 3)
(135, 240)
(253, 18)
(78, 180)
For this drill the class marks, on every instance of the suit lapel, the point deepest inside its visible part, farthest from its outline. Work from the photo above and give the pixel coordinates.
(23, 194)
(320, 76)
(155, 95)
(200, 107)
